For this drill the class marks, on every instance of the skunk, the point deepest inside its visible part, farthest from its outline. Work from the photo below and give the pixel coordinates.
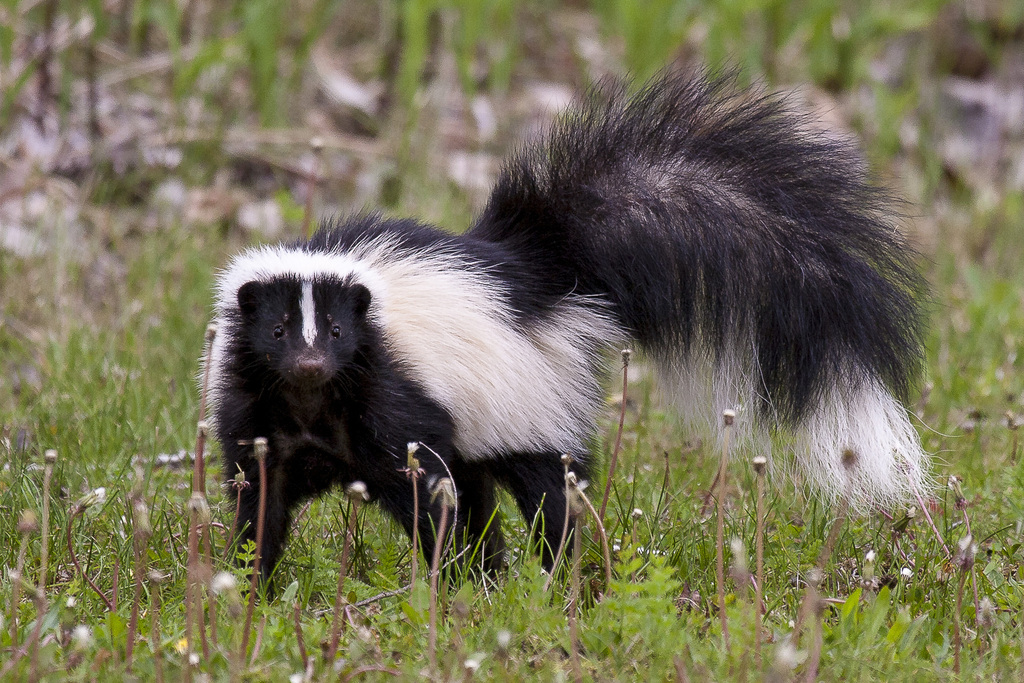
(747, 255)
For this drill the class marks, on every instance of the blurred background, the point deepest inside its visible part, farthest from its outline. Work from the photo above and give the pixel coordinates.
(143, 141)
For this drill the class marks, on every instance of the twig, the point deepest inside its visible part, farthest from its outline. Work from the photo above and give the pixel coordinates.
(297, 613)
(155, 579)
(141, 531)
(260, 451)
(600, 529)
(446, 490)
(413, 471)
(964, 561)
(370, 668)
(26, 525)
(849, 461)
(727, 418)
(760, 462)
(626, 353)
(928, 516)
(574, 599)
(356, 492)
(259, 640)
(76, 511)
(566, 460)
(49, 459)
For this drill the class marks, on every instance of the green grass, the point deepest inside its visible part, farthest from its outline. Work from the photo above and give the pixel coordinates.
(103, 369)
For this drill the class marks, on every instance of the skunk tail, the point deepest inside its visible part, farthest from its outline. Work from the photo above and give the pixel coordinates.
(748, 255)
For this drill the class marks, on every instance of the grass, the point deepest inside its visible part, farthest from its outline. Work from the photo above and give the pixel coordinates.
(100, 340)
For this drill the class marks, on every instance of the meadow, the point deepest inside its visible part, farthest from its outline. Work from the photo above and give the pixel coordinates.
(143, 142)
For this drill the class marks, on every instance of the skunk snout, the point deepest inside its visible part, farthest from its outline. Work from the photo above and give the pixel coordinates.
(311, 369)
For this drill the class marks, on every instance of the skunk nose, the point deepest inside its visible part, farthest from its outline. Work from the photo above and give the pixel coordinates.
(311, 369)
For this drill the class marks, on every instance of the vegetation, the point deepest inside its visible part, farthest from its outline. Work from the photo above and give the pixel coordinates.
(144, 141)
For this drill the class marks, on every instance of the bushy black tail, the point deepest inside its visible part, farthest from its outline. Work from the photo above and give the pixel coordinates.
(750, 257)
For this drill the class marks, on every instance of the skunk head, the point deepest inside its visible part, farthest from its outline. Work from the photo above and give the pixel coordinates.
(305, 331)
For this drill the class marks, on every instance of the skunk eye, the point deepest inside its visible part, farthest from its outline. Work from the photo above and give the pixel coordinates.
(278, 331)
(335, 331)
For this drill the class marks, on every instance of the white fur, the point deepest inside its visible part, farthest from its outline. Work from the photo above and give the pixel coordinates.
(308, 311)
(448, 320)
(888, 465)
(512, 389)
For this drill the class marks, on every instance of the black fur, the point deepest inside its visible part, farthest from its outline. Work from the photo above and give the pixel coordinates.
(700, 214)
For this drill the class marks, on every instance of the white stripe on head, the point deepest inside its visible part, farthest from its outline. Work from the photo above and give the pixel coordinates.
(308, 310)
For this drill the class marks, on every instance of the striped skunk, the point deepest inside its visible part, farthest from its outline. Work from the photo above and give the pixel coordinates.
(745, 254)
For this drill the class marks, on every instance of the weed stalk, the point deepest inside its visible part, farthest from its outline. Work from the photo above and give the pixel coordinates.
(582, 497)
(964, 561)
(413, 471)
(445, 488)
(566, 461)
(728, 416)
(141, 532)
(26, 525)
(574, 595)
(760, 464)
(260, 451)
(76, 510)
(626, 354)
(356, 492)
(49, 460)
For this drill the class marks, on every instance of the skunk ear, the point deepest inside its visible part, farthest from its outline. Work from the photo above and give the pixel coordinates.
(249, 298)
(360, 299)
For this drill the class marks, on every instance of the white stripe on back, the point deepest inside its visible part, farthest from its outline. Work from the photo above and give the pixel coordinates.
(308, 313)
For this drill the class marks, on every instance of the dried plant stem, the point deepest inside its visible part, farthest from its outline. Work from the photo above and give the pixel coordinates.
(75, 512)
(605, 551)
(434, 574)
(445, 489)
(154, 626)
(202, 428)
(260, 450)
(194, 612)
(415, 527)
(208, 570)
(815, 577)
(962, 503)
(566, 460)
(759, 468)
(259, 640)
(16, 589)
(239, 486)
(626, 353)
(574, 601)
(957, 639)
(728, 416)
(413, 472)
(33, 643)
(814, 655)
(359, 671)
(297, 614)
(350, 533)
(49, 459)
(191, 588)
(928, 516)
(140, 535)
